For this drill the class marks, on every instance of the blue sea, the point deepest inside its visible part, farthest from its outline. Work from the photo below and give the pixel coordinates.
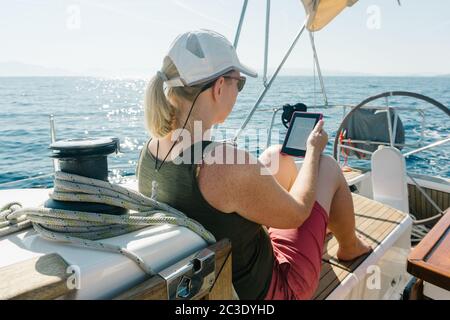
(95, 107)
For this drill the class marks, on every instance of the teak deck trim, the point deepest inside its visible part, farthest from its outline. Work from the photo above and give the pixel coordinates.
(430, 259)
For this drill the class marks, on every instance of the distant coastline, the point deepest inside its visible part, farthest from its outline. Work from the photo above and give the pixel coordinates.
(19, 69)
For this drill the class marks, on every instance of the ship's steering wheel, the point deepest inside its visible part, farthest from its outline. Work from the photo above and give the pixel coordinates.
(386, 95)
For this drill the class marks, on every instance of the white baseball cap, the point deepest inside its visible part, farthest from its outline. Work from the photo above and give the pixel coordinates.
(201, 56)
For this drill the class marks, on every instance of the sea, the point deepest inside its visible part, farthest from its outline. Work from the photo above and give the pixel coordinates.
(88, 107)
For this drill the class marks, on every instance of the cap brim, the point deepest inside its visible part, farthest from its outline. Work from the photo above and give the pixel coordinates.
(246, 70)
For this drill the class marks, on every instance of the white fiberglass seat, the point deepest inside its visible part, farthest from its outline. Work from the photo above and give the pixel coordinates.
(389, 178)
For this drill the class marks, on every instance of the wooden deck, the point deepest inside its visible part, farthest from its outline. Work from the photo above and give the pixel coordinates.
(349, 175)
(374, 222)
(354, 176)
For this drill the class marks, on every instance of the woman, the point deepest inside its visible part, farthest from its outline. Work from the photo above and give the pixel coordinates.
(275, 216)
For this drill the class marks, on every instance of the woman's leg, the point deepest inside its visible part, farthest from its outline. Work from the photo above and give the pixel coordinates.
(333, 195)
(286, 170)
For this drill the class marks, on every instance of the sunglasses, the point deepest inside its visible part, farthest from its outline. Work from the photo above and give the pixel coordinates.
(240, 84)
(240, 81)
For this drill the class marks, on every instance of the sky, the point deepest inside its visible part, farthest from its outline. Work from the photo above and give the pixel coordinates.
(131, 37)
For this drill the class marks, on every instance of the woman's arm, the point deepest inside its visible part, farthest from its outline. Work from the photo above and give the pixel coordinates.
(303, 189)
(242, 188)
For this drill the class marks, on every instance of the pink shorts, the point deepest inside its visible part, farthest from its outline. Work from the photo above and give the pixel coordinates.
(298, 258)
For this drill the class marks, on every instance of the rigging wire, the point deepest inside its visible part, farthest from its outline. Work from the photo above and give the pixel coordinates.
(314, 74)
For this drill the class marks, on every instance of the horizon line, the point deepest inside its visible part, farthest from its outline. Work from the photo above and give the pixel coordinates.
(345, 74)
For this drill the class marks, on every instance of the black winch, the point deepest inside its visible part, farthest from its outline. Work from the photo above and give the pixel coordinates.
(85, 157)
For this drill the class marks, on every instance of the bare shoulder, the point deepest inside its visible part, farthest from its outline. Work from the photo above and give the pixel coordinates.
(232, 180)
(223, 173)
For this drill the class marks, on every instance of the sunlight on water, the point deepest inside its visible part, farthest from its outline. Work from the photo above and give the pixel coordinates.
(93, 107)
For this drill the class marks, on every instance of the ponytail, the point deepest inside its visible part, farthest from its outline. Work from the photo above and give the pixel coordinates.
(158, 111)
(161, 117)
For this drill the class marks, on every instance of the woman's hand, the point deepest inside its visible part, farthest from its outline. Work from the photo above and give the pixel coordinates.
(318, 138)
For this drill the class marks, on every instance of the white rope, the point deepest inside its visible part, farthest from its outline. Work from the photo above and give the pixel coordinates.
(83, 228)
(418, 231)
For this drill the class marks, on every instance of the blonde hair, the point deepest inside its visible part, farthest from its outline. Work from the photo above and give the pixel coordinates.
(161, 117)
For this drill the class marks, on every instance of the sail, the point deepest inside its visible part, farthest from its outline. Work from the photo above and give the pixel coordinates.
(321, 12)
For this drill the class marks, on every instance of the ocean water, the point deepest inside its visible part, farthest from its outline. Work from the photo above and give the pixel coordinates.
(94, 107)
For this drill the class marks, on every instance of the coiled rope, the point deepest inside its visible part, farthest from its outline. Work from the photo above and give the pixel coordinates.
(10, 223)
(83, 228)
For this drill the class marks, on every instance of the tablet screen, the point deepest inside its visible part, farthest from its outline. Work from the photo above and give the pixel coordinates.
(301, 128)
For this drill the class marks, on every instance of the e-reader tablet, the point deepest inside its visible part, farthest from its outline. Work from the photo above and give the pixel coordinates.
(301, 125)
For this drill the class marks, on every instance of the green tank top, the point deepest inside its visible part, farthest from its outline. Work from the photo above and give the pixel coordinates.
(252, 250)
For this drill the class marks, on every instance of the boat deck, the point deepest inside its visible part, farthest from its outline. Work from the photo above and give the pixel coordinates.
(355, 175)
(374, 222)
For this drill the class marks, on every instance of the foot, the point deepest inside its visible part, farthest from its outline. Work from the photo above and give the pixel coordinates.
(358, 248)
